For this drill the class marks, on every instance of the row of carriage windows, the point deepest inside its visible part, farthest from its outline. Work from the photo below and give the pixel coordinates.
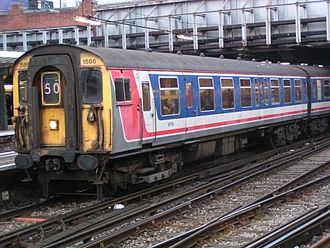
(264, 93)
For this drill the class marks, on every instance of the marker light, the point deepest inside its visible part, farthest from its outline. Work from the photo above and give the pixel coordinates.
(53, 124)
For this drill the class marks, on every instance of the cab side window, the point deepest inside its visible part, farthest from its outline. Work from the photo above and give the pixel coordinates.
(123, 89)
(22, 87)
(91, 83)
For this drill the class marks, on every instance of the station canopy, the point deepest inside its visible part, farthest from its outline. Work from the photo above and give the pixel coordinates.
(9, 57)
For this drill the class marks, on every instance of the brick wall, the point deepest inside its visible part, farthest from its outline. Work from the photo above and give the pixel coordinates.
(19, 19)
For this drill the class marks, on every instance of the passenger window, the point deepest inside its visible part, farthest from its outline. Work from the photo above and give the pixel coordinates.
(275, 91)
(206, 91)
(245, 87)
(319, 90)
(22, 87)
(313, 89)
(146, 96)
(326, 89)
(266, 92)
(51, 88)
(189, 95)
(91, 83)
(227, 93)
(297, 88)
(257, 91)
(287, 90)
(123, 89)
(169, 96)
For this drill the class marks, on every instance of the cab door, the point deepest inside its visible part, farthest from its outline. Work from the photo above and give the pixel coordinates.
(52, 98)
(52, 114)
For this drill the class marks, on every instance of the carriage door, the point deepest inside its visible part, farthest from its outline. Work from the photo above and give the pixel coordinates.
(189, 104)
(53, 95)
(191, 109)
(148, 106)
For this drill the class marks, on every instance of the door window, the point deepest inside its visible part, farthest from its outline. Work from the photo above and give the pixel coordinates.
(51, 88)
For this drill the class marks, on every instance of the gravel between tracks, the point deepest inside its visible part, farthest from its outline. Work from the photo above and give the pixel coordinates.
(221, 204)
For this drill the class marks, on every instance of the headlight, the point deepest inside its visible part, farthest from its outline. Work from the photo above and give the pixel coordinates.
(53, 124)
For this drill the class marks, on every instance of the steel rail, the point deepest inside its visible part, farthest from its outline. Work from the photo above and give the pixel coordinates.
(151, 220)
(297, 231)
(63, 220)
(192, 237)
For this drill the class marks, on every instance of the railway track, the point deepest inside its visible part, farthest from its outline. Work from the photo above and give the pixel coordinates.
(236, 228)
(157, 212)
(241, 204)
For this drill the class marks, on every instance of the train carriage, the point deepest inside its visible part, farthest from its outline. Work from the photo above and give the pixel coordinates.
(124, 117)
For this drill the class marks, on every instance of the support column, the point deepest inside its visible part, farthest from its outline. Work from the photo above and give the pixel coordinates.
(60, 36)
(76, 36)
(24, 41)
(44, 37)
(298, 25)
(244, 29)
(89, 35)
(146, 35)
(106, 35)
(268, 27)
(123, 37)
(4, 42)
(170, 35)
(195, 34)
(221, 29)
(328, 20)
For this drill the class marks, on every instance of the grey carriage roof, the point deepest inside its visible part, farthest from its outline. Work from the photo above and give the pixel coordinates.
(135, 59)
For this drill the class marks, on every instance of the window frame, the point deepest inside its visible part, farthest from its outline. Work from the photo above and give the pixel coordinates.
(326, 97)
(286, 89)
(146, 102)
(298, 85)
(206, 89)
(86, 98)
(166, 108)
(257, 92)
(273, 89)
(189, 94)
(232, 88)
(265, 93)
(126, 93)
(244, 88)
(52, 88)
